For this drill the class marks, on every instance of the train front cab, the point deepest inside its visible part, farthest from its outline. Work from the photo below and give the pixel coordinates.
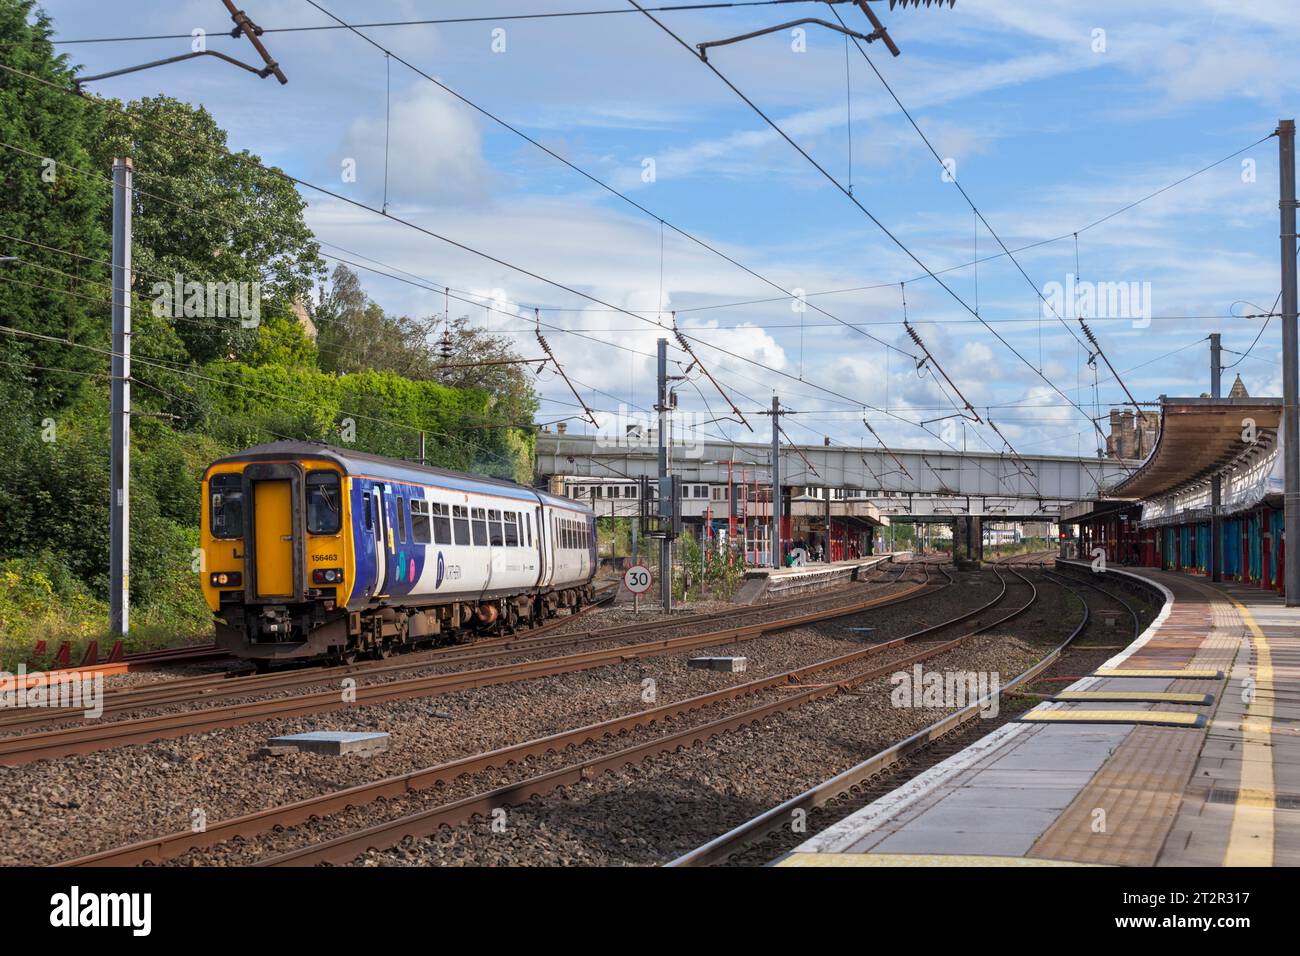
(276, 557)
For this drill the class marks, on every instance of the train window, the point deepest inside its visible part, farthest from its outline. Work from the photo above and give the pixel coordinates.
(441, 524)
(324, 502)
(420, 533)
(564, 534)
(400, 505)
(528, 527)
(365, 503)
(512, 530)
(495, 534)
(460, 523)
(227, 514)
(480, 527)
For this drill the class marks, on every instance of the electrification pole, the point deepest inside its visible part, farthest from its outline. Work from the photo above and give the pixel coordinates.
(665, 555)
(119, 510)
(1216, 484)
(1291, 408)
(776, 482)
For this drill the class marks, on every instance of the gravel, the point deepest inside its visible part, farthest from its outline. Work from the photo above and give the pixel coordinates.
(73, 806)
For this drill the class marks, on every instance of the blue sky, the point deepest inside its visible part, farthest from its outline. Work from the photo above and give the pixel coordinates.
(1049, 132)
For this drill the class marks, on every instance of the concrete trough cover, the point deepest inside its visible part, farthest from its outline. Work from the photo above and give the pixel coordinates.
(732, 665)
(1171, 674)
(332, 743)
(1157, 718)
(1132, 696)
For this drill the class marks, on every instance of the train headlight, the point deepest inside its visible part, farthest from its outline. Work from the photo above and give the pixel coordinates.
(327, 576)
(226, 579)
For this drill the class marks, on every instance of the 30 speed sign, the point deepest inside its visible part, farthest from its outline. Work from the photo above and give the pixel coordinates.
(637, 579)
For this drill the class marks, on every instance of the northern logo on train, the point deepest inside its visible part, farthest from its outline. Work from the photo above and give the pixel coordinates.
(442, 569)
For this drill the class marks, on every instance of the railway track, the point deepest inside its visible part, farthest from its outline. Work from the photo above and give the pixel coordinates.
(792, 689)
(767, 836)
(168, 846)
(86, 737)
(210, 688)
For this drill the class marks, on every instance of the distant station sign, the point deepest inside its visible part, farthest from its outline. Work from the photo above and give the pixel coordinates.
(637, 579)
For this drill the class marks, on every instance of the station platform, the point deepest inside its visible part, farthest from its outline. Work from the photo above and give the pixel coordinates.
(1123, 773)
(785, 582)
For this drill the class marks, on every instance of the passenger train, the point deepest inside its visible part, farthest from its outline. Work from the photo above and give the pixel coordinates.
(311, 551)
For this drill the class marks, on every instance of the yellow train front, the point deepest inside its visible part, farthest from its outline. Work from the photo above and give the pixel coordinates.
(311, 551)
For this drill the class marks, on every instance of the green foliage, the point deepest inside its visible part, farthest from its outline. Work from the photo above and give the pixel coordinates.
(202, 385)
(54, 494)
(710, 571)
(52, 206)
(386, 412)
(207, 215)
(41, 600)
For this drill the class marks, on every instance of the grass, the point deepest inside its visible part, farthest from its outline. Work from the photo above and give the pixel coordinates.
(42, 601)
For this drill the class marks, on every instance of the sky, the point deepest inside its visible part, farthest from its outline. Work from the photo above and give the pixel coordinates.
(787, 279)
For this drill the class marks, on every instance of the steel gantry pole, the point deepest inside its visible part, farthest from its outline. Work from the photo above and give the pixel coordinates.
(119, 510)
(1291, 408)
(1216, 484)
(665, 555)
(776, 482)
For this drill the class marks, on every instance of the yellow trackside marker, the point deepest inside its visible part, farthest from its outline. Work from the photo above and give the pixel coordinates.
(1250, 841)
(1132, 696)
(1157, 717)
(912, 859)
(1172, 675)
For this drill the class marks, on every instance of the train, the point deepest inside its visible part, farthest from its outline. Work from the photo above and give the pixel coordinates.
(313, 552)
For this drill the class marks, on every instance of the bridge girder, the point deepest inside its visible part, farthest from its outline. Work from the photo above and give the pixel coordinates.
(1028, 485)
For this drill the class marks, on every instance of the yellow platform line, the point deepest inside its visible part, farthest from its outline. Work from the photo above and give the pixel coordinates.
(1148, 717)
(1171, 674)
(913, 859)
(1130, 696)
(1250, 841)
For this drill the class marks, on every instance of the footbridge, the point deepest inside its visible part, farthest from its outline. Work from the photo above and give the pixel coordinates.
(921, 483)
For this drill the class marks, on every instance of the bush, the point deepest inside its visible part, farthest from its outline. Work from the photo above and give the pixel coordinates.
(40, 599)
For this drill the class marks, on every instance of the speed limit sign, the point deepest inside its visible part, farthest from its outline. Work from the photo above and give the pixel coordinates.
(637, 579)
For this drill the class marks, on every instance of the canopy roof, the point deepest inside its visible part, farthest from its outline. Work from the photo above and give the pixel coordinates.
(1200, 437)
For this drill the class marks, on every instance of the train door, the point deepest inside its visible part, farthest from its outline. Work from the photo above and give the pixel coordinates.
(273, 533)
(379, 528)
(543, 549)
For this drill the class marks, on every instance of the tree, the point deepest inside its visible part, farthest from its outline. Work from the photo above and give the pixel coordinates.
(355, 334)
(514, 400)
(208, 215)
(56, 198)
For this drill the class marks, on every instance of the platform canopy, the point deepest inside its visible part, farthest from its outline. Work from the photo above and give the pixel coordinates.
(1202, 437)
